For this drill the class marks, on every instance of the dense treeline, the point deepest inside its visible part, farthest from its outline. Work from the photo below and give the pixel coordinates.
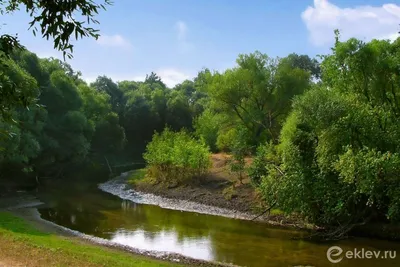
(337, 160)
(324, 136)
(72, 123)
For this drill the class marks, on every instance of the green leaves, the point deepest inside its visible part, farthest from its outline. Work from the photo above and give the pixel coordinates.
(175, 157)
(53, 19)
(258, 92)
(339, 147)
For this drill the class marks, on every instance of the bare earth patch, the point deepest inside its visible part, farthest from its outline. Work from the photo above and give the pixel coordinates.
(220, 188)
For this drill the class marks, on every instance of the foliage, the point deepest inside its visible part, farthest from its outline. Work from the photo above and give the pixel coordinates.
(239, 150)
(56, 20)
(70, 122)
(229, 192)
(339, 149)
(175, 157)
(265, 156)
(304, 62)
(137, 175)
(328, 151)
(17, 88)
(207, 126)
(257, 93)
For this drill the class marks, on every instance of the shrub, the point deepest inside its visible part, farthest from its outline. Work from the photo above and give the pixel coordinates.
(338, 164)
(207, 126)
(265, 156)
(226, 139)
(175, 157)
(239, 149)
(229, 192)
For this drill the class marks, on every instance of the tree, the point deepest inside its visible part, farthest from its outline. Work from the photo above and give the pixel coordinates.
(258, 92)
(109, 135)
(28, 123)
(338, 156)
(153, 78)
(106, 85)
(179, 114)
(304, 62)
(207, 126)
(56, 20)
(17, 87)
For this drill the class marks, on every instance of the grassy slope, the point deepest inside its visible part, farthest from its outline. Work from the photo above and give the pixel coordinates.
(23, 245)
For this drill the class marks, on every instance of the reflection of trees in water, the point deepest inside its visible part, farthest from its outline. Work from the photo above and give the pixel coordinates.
(236, 241)
(81, 212)
(153, 219)
(75, 217)
(231, 240)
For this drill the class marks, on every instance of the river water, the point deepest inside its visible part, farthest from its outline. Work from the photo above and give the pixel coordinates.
(150, 223)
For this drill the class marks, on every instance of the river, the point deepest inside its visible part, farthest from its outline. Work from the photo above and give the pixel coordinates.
(126, 218)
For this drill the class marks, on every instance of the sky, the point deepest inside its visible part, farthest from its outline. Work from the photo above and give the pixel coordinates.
(177, 38)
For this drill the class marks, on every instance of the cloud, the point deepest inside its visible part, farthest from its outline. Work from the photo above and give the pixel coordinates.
(170, 76)
(363, 22)
(182, 32)
(114, 41)
(182, 29)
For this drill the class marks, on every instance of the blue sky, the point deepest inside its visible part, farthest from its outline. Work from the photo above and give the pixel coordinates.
(176, 38)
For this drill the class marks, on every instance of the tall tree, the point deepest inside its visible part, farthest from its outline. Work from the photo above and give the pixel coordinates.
(106, 85)
(258, 92)
(52, 19)
(338, 155)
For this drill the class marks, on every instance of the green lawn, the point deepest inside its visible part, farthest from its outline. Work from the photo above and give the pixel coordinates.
(23, 245)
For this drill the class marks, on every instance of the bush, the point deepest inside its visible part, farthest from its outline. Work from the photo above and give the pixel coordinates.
(207, 126)
(239, 149)
(265, 156)
(226, 139)
(175, 157)
(338, 163)
(229, 192)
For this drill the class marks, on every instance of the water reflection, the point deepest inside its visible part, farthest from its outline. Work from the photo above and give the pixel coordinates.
(196, 235)
(165, 241)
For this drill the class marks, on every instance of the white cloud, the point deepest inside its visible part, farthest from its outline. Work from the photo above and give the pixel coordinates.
(182, 29)
(182, 32)
(170, 76)
(113, 40)
(363, 22)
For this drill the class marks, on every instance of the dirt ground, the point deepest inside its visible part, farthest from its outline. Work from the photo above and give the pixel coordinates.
(219, 188)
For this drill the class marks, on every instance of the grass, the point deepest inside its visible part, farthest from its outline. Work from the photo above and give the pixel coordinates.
(137, 175)
(23, 245)
(229, 192)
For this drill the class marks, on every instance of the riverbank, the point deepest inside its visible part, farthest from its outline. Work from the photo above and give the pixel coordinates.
(21, 244)
(28, 240)
(221, 189)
